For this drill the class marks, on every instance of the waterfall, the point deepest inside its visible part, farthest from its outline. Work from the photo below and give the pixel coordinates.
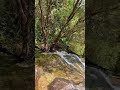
(72, 60)
(96, 77)
(78, 59)
(95, 74)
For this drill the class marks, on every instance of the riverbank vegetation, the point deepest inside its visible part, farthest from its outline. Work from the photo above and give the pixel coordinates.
(60, 24)
(35, 29)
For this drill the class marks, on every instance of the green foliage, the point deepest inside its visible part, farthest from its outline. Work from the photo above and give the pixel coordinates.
(60, 12)
(37, 31)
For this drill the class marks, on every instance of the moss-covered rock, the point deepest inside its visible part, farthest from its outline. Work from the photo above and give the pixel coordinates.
(103, 33)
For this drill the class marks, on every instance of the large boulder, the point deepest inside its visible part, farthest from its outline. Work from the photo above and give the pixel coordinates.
(103, 33)
(64, 84)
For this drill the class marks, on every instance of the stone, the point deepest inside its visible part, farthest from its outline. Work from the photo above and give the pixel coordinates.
(63, 84)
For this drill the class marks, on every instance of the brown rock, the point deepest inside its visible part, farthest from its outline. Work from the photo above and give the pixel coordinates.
(59, 84)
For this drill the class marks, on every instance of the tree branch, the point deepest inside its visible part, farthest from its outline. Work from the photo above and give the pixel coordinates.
(43, 26)
(68, 20)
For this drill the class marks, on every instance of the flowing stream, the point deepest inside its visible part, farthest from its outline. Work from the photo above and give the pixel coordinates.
(94, 77)
(73, 60)
(94, 73)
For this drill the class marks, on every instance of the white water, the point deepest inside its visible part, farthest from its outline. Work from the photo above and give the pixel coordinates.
(76, 62)
(72, 60)
(99, 76)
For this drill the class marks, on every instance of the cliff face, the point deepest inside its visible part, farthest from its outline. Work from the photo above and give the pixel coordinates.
(103, 33)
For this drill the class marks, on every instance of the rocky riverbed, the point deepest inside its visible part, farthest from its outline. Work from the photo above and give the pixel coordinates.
(58, 80)
(53, 73)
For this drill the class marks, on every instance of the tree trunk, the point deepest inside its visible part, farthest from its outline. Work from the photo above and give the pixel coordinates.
(44, 22)
(75, 8)
(24, 12)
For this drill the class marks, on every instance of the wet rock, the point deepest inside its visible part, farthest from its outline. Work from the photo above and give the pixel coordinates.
(64, 84)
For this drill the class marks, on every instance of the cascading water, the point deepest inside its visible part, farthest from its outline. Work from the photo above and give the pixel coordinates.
(72, 60)
(96, 77)
(82, 63)
(94, 73)
(62, 70)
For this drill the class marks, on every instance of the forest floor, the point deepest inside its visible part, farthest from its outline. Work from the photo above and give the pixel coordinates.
(13, 77)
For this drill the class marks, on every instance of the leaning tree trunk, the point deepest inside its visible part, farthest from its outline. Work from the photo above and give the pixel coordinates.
(72, 14)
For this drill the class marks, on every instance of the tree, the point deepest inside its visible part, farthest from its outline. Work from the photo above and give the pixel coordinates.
(26, 18)
(56, 21)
